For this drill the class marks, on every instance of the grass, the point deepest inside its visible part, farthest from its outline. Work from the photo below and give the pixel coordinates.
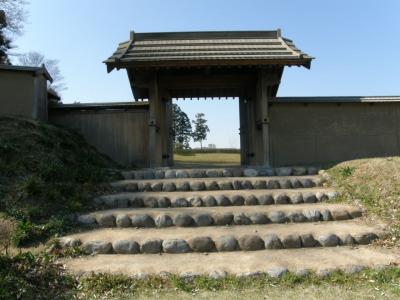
(375, 184)
(368, 284)
(190, 160)
(46, 175)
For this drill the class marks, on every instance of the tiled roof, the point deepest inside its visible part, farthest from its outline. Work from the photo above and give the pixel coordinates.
(207, 48)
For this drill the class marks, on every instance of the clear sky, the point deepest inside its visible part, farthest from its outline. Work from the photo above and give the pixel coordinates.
(356, 44)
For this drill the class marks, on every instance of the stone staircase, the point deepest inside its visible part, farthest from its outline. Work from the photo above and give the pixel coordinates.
(222, 221)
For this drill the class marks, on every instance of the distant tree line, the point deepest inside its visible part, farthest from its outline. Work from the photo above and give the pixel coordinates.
(182, 130)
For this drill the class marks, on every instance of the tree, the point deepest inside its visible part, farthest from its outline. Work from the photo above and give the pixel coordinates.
(200, 129)
(12, 20)
(36, 59)
(181, 128)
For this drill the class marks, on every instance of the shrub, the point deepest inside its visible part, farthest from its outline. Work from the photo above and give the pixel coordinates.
(7, 228)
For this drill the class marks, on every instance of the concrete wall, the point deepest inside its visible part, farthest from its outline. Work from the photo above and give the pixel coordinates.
(122, 133)
(320, 133)
(23, 93)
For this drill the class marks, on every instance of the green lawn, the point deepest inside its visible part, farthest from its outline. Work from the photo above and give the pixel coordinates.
(191, 160)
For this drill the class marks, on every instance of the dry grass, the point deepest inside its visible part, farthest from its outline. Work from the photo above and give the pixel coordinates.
(375, 184)
(7, 229)
(206, 160)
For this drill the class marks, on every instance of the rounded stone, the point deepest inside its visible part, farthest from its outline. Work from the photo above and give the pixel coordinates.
(250, 172)
(258, 218)
(164, 221)
(105, 220)
(352, 269)
(291, 241)
(87, 220)
(365, 238)
(218, 275)
(297, 217)
(180, 202)
(169, 187)
(250, 242)
(213, 173)
(283, 171)
(225, 185)
(144, 187)
(159, 174)
(182, 174)
(237, 185)
(182, 186)
(209, 201)
(183, 220)
(307, 240)
(272, 241)
(260, 184)
(277, 272)
(307, 183)
(170, 174)
(281, 198)
(312, 215)
(340, 215)
(164, 202)
(126, 247)
(326, 215)
(325, 272)
(67, 242)
(97, 247)
(296, 184)
(296, 198)
(266, 199)
(151, 246)
(348, 240)
(196, 173)
(157, 187)
(246, 185)
(142, 221)
(132, 187)
(312, 171)
(227, 173)
(150, 202)
(222, 200)
(203, 220)
(241, 219)
(328, 240)
(299, 171)
(237, 200)
(226, 243)
(222, 219)
(122, 221)
(148, 174)
(196, 201)
(237, 172)
(197, 186)
(175, 246)
(321, 197)
(251, 200)
(277, 217)
(266, 171)
(212, 186)
(302, 272)
(136, 202)
(355, 213)
(285, 184)
(309, 197)
(201, 244)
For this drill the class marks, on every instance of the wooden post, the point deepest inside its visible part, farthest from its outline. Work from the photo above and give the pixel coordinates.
(262, 95)
(168, 126)
(243, 130)
(155, 139)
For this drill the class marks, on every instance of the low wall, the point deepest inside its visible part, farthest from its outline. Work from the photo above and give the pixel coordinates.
(119, 130)
(310, 131)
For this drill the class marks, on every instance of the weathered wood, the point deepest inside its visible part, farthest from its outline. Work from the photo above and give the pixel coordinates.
(243, 130)
(262, 94)
(155, 107)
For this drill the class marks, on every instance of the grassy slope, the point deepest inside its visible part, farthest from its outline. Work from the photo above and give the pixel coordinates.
(46, 174)
(375, 184)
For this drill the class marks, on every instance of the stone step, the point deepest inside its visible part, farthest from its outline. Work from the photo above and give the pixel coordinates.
(211, 184)
(217, 265)
(162, 173)
(208, 216)
(214, 198)
(223, 238)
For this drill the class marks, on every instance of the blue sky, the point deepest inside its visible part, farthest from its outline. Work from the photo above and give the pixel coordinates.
(356, 44)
